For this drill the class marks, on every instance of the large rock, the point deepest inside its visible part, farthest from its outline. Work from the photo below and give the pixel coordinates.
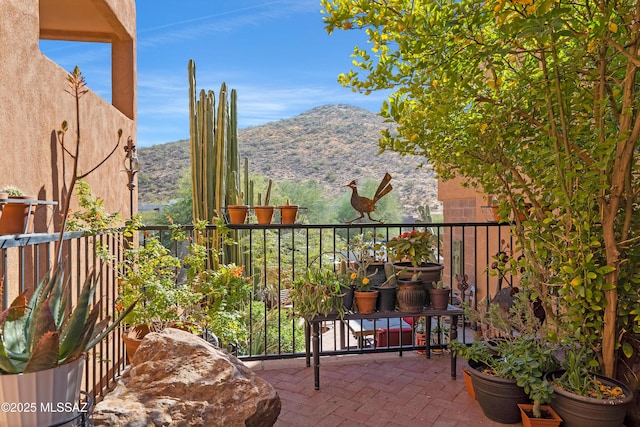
(178, 379)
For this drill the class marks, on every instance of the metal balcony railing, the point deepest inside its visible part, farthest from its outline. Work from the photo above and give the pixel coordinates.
(273, 256)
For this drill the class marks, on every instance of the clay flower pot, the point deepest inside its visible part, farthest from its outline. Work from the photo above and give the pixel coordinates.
(288, 214)
(14, 216)
(366, 301)
(264, 214)
(237, 213)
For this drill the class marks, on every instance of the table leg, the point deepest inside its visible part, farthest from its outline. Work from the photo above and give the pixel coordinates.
(316, 354)
(427, 333)
(307, 342)
(453, 335)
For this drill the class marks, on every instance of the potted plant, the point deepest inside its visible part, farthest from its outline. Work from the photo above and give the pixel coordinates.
(264, 213)
(415, 253)
(238, 212)
(585, 398)
(319, 291)
(439, 295)
(421, 334)
(149, 275)
(439, 336)
(14, 214)
(508, 364)
(288, 213)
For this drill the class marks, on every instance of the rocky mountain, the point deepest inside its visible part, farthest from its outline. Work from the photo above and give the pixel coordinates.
(331, 144)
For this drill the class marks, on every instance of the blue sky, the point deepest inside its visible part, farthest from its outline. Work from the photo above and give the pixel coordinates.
(276, 54)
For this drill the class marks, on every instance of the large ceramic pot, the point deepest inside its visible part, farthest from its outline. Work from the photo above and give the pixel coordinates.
(582, 411)
(498, 397)
(429, 272)
(42, 398)
(411, 296)
(366, 301)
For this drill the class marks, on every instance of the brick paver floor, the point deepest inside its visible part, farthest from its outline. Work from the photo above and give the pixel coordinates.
(373, 390)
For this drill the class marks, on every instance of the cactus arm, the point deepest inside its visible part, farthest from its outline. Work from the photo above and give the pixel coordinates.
(267, 197)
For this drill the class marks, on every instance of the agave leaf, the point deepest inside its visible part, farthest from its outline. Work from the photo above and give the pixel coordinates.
(44, 323)
(16, 309)
(58, 299)
(111, 327)
(41, 293)
(14, 338)
(87, 332)
(45, 353)
(8, 365)
(71, 332)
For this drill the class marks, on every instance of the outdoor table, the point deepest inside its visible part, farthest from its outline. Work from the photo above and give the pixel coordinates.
(312, 332)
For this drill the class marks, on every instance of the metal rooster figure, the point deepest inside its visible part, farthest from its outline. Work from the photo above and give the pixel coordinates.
(364, 205)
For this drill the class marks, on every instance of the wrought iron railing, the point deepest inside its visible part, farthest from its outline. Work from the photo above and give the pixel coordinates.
(25, 260)
(273, 256)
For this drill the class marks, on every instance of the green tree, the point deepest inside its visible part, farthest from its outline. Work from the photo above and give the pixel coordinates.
(535, 102)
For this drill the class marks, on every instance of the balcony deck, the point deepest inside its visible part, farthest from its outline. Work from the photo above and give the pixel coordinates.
(373, 390)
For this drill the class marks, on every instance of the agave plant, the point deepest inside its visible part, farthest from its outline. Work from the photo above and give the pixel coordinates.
(45, 332)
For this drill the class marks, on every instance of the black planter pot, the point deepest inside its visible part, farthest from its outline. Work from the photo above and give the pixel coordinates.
(498, 397)
(386, 298)
(347, 298)
(581, 411)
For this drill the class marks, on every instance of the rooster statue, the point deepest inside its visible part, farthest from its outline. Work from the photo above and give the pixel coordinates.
(364, 205)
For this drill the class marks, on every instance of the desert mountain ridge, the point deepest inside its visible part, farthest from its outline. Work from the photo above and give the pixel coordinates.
(330, 144)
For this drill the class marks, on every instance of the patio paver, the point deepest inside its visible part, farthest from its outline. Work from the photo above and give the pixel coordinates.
(373, 390)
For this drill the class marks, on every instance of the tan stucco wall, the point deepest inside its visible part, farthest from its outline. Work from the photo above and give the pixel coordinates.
(33, 101)
(465, 205)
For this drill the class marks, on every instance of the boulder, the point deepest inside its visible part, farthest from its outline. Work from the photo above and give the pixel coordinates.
(178, 379)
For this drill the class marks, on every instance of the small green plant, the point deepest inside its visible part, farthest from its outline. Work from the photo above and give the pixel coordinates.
(362, 251)
(12, 191)
(91, 217)
(318, 292)
(516, 348)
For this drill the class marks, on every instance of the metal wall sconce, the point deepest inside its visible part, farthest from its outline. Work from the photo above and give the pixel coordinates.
(131, 167)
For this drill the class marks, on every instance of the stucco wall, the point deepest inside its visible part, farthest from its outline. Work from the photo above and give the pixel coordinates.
(33, 104)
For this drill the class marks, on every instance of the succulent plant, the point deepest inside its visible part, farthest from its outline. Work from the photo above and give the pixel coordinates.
(12, 191)
(44, 332)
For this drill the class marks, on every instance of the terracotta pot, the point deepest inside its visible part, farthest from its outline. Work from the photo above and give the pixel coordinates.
(288, 214)
(366, 301)
(468, 384)
(14, 216)
(264, 214)
(132, 339)
(439, 298)
(421, 341)
(237, 214)
(411, 296)
(553, 419)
